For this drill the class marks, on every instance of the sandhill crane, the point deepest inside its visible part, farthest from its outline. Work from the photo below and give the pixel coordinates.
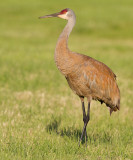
(86, 76)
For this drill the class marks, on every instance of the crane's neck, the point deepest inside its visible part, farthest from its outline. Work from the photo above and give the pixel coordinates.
(62, 43)
(67, 30)
(61, 50)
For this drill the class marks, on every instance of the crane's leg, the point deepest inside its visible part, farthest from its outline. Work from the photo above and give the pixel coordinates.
(86, 119)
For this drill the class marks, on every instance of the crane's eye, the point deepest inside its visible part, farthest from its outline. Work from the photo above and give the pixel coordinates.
(64, 11)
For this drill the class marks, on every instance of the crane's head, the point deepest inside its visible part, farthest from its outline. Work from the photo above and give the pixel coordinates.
(64, 14)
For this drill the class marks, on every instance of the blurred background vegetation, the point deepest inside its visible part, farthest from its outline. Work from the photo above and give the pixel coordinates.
(40, 117)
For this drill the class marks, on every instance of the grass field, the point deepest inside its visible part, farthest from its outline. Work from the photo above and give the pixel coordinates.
(40, 117)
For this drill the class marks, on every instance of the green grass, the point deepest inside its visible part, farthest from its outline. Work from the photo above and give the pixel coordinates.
(40, 117)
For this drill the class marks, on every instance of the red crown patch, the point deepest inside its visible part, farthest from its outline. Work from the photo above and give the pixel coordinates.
(63, 11)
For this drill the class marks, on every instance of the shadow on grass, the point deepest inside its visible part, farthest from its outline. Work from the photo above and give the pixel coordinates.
(74, 133)
(70, 132)
(53, 125)
(92, 137)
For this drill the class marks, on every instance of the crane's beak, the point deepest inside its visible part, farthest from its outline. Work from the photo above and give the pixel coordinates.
(51, 15)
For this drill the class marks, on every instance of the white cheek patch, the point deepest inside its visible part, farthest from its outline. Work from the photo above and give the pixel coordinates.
(63, 16)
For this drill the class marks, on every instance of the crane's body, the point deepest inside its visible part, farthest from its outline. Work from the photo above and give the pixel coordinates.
(86, 76)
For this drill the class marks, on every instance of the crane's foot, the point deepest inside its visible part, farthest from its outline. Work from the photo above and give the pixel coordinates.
(83, 133)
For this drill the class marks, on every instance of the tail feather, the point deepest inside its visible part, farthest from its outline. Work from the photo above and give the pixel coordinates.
(110, 110)
(114, 109)
(118, 105)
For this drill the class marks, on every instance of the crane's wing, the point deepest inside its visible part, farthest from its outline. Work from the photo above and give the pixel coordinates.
(101, 82)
